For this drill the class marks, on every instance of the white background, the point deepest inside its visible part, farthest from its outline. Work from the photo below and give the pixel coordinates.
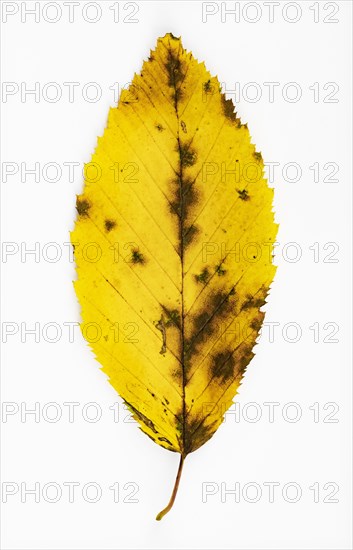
(305, 292)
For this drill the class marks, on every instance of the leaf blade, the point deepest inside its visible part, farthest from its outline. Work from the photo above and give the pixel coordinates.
(177, 229)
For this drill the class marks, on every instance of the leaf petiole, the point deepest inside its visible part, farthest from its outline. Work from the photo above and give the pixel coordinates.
(174, 493)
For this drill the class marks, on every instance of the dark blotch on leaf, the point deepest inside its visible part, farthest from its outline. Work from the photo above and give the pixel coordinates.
(165, 440)
(177, 94)
(206, 324)
(188, 234)
(203, 277)
(187, 156)
(160, 325)
(109, 225)
(220, 270)
(137, 257)
(252, 302)
(243, 194)
(196, 434)
(228, 110)
(207, 86)
(244, 360)
(185, 196)
(223, 365)
(257, 322)
(174, 69)
(82, 207)
(177, 374)
(142, 417)
(258, 156)
(172, 317)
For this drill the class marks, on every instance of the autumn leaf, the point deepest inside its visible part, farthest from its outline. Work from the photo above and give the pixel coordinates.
(173, 247)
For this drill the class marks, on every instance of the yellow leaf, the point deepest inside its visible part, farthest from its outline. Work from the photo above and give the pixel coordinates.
(173, 247)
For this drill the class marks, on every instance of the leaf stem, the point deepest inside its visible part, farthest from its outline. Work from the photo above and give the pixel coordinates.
(174, 493)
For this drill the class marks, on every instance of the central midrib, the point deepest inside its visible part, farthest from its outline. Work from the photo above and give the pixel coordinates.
(181, 239)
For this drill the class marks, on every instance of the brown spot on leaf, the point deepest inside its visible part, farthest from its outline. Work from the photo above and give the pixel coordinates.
(222, 366)
(203, 277)
(243, 194)
(187, 155)
(109, 225)
(185, 196)
(207, 86)
(258, 156)
(177, 374)
(165, 439)
(172, 317)
(161, 326)
(220, 270)
(196, 433)
(137, 257)
(175, 69)
(82, 207)
(252, 302)
(141, 417)
(246, 354)
(178, 94)
(257, 322)
(188, 234)
(228, 110)
(205, 324)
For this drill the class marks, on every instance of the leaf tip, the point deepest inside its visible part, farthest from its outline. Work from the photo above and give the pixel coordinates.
(172, 36)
